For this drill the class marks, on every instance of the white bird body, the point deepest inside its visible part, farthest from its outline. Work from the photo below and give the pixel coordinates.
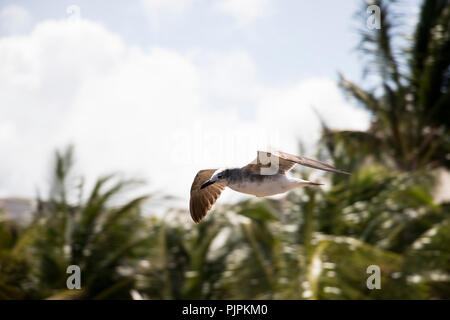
(269, 186)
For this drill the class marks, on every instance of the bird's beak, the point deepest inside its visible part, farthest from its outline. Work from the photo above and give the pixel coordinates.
(207, 183)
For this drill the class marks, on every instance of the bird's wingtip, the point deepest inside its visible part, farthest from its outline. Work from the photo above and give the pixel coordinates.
(344, 172)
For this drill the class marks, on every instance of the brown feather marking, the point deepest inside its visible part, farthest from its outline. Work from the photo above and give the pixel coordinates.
(202, 200)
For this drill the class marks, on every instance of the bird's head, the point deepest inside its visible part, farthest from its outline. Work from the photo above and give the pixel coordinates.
(220, 176)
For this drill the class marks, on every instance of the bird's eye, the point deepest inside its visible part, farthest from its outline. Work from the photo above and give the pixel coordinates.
(220, 177)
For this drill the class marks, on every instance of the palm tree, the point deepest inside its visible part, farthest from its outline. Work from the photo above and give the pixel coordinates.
(410, 101)
(101, 235)
(13, 266)
(184, 262)
(329, 238)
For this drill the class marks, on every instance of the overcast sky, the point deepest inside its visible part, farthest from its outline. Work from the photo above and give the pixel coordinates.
(159, 89)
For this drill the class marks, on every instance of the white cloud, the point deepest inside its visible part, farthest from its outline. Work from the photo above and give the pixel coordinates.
(245, 12)
(14, 19)
(290, 110)
(155, 114)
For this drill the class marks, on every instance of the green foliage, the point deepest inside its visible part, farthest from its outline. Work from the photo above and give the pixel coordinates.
(99, 235)
(410, 102)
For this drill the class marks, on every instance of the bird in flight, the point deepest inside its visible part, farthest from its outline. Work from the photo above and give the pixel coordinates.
(265, 176)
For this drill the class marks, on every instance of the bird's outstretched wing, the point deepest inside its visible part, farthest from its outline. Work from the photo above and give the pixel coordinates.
(267, 160)
(203, 199)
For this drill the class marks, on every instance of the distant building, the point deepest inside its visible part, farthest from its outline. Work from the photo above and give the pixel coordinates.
(19, 210)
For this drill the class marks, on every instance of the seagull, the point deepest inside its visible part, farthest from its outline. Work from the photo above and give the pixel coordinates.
(265, 176)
